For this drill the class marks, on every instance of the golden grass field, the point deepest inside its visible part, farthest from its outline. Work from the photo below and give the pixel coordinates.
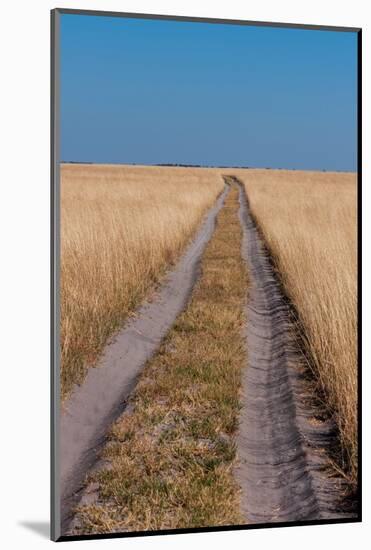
(169, 458)
(121, 227)
(309, 220)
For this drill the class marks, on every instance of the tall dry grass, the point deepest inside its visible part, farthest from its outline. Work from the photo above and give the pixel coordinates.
(121, 227)
(169, 459)
(309, 222)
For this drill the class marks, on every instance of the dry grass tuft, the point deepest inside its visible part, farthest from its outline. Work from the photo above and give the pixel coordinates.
(171, 454)
(121, 227)
(309, 221)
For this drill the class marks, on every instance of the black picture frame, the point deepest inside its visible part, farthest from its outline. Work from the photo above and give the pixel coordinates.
(55, 266)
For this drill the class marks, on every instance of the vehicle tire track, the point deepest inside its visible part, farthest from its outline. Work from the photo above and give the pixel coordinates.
(95, 405)
(282, 444)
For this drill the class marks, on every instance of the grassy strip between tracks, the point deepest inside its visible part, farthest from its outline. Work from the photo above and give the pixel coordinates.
(170, 455)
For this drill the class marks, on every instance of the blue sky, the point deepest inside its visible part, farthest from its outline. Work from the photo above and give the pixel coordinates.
(155, 91)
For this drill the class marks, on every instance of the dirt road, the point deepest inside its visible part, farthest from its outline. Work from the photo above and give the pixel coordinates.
(283, 465)
(95, 404)
(281, 443)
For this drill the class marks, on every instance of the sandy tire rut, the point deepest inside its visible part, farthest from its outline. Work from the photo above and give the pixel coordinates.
(283, 468)
(97, 403)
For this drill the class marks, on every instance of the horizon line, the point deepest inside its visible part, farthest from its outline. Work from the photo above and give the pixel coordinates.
(190, 165)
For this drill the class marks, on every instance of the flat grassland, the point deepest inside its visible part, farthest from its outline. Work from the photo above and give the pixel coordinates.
(309, 221)
(121, 227)
(170, 454)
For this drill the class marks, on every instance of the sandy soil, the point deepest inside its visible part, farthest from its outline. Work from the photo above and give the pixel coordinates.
(94, 405)
(281, 442)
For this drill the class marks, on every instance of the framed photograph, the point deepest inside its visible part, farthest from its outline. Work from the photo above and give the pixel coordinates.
(206, 191)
